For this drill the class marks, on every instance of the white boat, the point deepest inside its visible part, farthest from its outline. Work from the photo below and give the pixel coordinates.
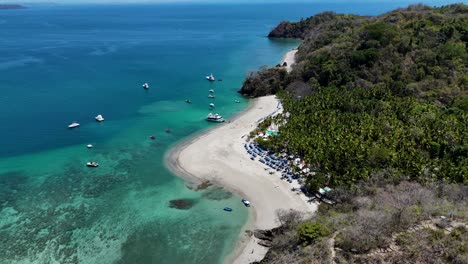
(89, 146)
(73, 125)
(211, 96)
(214, 118)
(210, 78)
(212, 105)
(211, 91)
(146, 86)
(99, 118)
(237, 101)
(92, 164)
(246, 202)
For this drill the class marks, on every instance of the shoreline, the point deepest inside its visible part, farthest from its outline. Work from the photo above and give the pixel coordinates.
(226, 163)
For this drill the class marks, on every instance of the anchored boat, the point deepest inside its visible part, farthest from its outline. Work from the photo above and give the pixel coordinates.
(215, 118)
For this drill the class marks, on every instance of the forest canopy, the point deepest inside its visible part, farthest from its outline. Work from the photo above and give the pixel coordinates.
(385, 93)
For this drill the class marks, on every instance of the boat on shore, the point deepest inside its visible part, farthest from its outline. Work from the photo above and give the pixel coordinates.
(215, 118)
(210, 78)
(74, 124)
(92, 164)
(246, 202)
(145, 86)
(99, 118)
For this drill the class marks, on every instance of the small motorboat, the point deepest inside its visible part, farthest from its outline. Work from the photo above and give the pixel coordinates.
(152, 137)
(145, 86)
(211, 96)
(246, 202)
(168, 130)
(99, 118)
(212, 105)
(228, 209)
(210, 78)
(211, 91)
(92, 164)
(237, 101)
(89, 146)
(188, 101)
(74, 124)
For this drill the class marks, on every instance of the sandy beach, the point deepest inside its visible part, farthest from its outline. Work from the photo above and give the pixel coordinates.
(218, 155)
(289, 58)
(225, 162)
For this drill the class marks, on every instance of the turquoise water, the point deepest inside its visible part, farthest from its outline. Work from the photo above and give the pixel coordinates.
(65, 63)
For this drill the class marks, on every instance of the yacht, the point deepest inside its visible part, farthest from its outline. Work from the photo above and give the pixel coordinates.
(211, 96)
(146, 86)
(74, 124)
(212, 105)
(214, 118)
(99, 118)
(92, 164)
(210, 78)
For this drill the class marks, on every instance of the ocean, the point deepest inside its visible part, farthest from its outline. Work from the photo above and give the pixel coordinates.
(65, 63)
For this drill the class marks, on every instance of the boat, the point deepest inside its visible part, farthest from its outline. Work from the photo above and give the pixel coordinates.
(228, 209)
(145, 86)
(168, 130)
(74, 124)
(210, 78)
(212, 105)
(92, 164)
(211, 91)
(99, 118)
(246, 202)
(237, 101)
(214, 118)
(211, 96)
(89, 146)
(188, 101)
(152, 137)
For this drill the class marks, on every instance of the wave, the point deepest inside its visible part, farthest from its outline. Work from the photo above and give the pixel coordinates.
(104, 51)
(19, 62)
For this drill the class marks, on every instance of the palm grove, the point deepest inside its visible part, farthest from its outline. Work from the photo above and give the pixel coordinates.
(377, 107)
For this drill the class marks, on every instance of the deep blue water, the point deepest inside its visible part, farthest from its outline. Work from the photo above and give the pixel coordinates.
(60, 64)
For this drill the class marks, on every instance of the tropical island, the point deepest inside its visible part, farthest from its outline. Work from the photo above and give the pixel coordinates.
(355, 148)
(377, 107)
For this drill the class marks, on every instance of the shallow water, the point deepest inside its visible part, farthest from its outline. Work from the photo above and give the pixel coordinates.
(65, 63)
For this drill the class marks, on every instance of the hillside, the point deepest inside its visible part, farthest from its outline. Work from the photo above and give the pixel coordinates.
(378, 109)
(373, 93)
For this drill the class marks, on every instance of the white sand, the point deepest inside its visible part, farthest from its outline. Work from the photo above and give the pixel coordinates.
(218, 155)
(289, 58)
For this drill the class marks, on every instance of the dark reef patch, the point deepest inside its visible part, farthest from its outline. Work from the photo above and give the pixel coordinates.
(182, 204)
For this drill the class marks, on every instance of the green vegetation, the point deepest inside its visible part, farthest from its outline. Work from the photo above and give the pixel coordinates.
(308, 232)
(368, 94)
(378, 108)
